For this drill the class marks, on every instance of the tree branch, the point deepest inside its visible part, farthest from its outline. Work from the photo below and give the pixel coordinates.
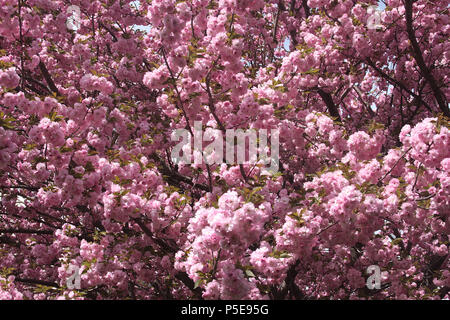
(417, 53)
(397, 83)
(332, 108)
(26, 231)
(182, 276)
(37, 282)
(48, 78)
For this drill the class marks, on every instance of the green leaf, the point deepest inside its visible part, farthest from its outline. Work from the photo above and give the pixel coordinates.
(249, 273)
(198, 283)
(65, 149)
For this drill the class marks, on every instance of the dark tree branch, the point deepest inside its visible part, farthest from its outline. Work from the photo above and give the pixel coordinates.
(37, 282)
(114, 37)
(328, 99)
(290, 282)
(398, 83)
(289, 287)
(48, 78)
(182, 276)
(20, 187)
(159, 242)
(306, 8)
(26, 231)
(9, 241)
(174, 178)
(417, 53)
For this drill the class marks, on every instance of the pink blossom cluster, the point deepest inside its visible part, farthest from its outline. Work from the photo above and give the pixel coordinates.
(9, 78)
(92, 83)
